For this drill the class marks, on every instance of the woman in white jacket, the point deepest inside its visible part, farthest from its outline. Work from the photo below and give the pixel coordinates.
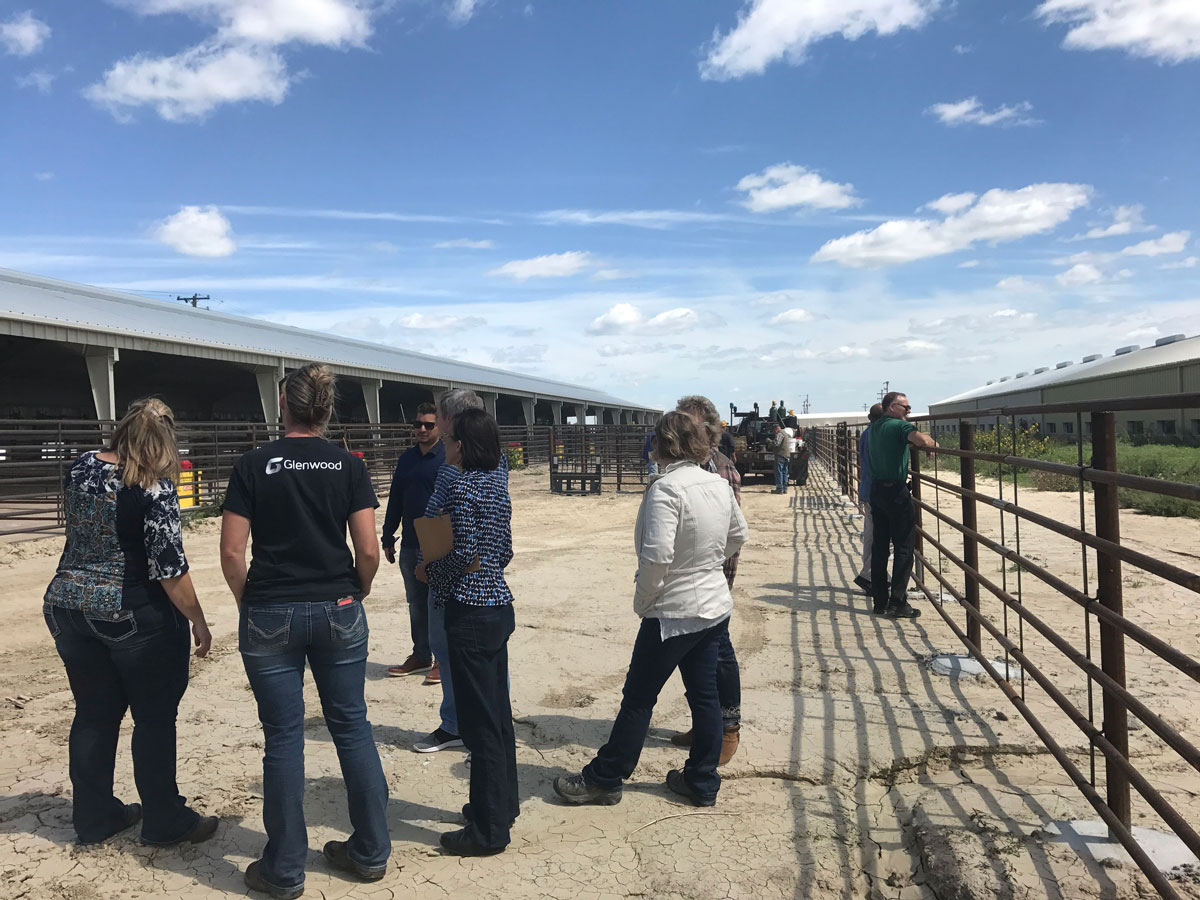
(688, 525)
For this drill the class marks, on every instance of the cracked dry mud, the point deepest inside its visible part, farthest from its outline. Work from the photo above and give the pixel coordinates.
(861, 773)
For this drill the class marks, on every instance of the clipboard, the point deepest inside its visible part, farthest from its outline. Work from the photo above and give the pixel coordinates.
(436, 537)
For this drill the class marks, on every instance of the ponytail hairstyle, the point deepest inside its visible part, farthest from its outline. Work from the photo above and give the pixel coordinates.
(309, 393)
(144, 442)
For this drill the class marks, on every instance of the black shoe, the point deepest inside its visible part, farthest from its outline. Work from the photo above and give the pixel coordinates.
(677, 783)
(255, 882)
(335, 852)
(864, 584)
(205, 827)
(466, 813)
(903, 610)
(130, 817)
(574, 789)
(462, 844)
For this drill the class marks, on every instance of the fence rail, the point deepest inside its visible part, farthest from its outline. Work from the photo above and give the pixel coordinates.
(956, 474)
(36, 454)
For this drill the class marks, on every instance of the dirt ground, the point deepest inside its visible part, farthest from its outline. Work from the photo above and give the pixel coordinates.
(861, 774)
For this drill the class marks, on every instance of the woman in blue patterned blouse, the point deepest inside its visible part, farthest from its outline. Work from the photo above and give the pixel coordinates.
(118, 609)
(479, 621)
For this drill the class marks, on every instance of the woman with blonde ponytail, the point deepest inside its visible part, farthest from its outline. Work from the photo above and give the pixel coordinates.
(118, 609)
(301, 601)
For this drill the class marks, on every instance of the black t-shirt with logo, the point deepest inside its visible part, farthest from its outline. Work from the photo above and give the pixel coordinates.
(298, 494)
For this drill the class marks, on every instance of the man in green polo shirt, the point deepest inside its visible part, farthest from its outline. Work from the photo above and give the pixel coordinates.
(892, 511)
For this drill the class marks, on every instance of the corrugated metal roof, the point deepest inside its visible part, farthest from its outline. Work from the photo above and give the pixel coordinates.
(1092, 367)
(34, 299)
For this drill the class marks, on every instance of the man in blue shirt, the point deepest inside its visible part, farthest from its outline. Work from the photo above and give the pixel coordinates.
(863, 578)
(416, 474)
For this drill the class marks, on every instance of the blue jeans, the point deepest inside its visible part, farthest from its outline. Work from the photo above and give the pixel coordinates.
(135, 659)
(653, 662)
(478, 637)
(781, 473)
(441, 652)
(275, 640)
(417, 593)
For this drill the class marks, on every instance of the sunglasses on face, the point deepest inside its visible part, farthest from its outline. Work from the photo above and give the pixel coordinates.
(428, 426)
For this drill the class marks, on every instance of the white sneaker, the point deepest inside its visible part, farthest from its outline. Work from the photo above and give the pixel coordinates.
(440, 739)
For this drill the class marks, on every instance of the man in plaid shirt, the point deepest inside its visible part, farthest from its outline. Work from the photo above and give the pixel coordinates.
(729, 678)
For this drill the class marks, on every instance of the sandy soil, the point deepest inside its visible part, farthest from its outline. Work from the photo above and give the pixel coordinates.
(862, 774)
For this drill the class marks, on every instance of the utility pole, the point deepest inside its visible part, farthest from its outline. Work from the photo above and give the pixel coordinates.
(194, 299)
(886, 388)
(805, 407)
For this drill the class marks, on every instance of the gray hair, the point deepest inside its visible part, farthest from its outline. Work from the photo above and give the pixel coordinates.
(706, 411)
(450, 403)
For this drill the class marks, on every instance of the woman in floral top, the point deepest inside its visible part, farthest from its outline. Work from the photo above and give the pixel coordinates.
(118, 610)
(479, 621)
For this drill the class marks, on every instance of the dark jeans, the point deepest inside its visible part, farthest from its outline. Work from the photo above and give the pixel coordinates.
(729, 681)
(275, 640)
(695, 655)
(478, 639)
(134, 659)
(417, 593)
(895, 523)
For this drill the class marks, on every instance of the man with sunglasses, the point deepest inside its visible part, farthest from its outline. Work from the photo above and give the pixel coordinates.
(892, 511)
(412, 484)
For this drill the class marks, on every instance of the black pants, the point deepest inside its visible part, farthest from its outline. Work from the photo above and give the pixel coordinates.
(895, 523)
(135, 659)
(478, 643)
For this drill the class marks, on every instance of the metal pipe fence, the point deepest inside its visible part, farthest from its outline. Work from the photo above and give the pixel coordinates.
(1027, 592)
(36, 454)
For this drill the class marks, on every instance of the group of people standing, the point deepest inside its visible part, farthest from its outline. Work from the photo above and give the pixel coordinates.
(890, 524)
(121, 603)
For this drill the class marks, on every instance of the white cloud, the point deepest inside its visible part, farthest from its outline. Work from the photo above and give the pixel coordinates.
(193, 83)
(1126, 220)
(1017, 283)
(354, 215)
(612, 274)
(464, 244)
(969, 264)
(426, 322)
(197, 231)
(1079, 275)
(1162, 30)
(792, 317)
(1190, 263)
(785, 186)
(949, 204)
(963, 49)
(1173, 242)
(971, 112)
(23, 34)
(240, 62)
(910, 349)
(271, 23)
(460, 12)
(769, 30)
(635, 218)
(996, 217)
(554, 265)
(623, 318)
(40, 80)
(44, 176)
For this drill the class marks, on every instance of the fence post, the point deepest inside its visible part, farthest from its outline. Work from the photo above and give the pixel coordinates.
(970, 519)
(914, 464)
(1108, 592)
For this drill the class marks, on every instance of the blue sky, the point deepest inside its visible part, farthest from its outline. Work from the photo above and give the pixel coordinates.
(750, 200)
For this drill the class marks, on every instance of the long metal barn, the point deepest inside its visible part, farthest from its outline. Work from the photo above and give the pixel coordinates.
(70, 351)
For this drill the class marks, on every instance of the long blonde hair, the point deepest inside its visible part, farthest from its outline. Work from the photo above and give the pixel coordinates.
(309, 393)
(144, 441)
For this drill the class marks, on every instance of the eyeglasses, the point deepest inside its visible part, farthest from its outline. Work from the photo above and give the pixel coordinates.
(428, 426)
(903, 406)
